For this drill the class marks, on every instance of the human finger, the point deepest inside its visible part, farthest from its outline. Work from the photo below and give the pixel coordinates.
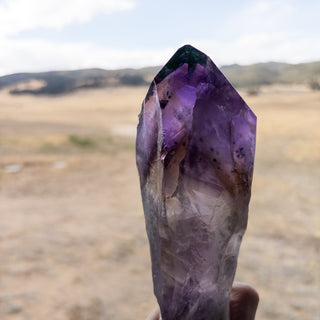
(243, 302)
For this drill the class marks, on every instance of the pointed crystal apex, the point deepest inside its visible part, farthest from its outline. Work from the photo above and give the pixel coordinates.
(186, 54)
(195, 153)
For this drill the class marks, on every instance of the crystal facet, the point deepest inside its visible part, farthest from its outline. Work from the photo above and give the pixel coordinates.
(195, 153)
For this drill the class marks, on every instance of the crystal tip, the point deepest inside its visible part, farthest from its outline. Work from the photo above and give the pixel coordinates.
(186, 54)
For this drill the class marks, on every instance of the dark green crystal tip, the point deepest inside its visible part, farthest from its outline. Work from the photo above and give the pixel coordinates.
(186, 54)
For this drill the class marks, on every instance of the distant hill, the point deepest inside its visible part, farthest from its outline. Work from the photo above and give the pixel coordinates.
(259, 74)
(62, 82)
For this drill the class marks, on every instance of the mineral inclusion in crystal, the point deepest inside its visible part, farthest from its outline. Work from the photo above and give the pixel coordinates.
(195, 152)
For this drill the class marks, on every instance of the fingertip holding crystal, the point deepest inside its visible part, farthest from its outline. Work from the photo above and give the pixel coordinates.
(195, 153)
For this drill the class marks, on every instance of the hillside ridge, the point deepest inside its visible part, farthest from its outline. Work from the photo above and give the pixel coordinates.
(241, 76)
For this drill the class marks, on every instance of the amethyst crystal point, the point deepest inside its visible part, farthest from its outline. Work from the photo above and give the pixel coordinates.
(195, 153)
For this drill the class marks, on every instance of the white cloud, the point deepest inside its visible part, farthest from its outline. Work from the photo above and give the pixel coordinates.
(19, 15)
(260, 34)
(265, 30)
(41, 55)
(263, 47)
(263, 15)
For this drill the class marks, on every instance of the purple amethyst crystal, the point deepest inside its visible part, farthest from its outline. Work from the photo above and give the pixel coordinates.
(195, 153)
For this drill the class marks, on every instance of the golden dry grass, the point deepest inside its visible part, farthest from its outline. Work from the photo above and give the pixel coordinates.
(73, 242)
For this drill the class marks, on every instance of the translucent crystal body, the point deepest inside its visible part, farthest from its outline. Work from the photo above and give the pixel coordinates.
(195, 153)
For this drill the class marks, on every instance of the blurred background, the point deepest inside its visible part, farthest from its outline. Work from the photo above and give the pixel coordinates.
(73, 75)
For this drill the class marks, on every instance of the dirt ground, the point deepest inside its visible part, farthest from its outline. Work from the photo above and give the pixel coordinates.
(72, 237)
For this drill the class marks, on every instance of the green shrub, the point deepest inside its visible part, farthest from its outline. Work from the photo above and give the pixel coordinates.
(81, 142)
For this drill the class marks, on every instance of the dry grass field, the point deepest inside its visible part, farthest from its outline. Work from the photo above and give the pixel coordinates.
(72, 237)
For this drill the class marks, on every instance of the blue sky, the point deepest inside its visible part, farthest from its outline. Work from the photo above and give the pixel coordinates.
(40, 35)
